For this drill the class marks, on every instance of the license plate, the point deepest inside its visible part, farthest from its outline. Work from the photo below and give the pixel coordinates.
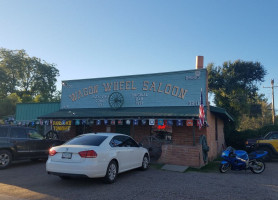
(66, 155)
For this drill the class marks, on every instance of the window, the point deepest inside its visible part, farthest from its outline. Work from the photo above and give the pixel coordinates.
(271, 135)
(90, 140)
(130, 143)
(162, 132)
(33, 134)
(117, 141)
(123, 141)
(274, 136)
(4, 131)
(18, 132)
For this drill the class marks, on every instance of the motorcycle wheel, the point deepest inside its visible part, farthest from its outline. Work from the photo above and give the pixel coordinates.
(259, 167)
(223, 168)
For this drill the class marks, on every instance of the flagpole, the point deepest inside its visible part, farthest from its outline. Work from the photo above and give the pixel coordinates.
(201, 116)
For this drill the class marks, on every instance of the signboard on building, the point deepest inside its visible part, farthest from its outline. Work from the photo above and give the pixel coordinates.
(150, 90)
(61, 125)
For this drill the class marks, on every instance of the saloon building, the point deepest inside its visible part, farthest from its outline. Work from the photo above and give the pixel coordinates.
(159, 110)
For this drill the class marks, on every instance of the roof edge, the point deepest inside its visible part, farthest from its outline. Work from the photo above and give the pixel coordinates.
(221, 111)
(135, 75)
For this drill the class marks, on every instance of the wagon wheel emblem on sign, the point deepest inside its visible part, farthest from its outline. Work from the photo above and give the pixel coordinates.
(116, 100)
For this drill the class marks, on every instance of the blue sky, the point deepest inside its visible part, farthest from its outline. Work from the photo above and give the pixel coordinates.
(102, 38)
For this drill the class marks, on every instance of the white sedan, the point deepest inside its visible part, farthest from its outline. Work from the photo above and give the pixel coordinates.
(97, 155)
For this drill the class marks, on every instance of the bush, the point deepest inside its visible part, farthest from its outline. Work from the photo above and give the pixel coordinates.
(237, 139)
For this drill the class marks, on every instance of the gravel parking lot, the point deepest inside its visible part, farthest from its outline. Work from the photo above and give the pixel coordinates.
(28, 180)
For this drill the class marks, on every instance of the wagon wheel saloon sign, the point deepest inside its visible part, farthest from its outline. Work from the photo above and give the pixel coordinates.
(164, 89)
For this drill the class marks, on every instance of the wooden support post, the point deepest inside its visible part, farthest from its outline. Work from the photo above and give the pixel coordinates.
(193, 128)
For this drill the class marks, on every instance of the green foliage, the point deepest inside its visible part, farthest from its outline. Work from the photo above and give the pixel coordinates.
(8, 104)
(38, 98)
(57, 96)
(237, 139)
(25, 79)
(234, 86)
(249, 121)
(26, 76)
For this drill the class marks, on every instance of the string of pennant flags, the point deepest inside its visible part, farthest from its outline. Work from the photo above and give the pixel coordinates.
(200, 122)
(135, 122)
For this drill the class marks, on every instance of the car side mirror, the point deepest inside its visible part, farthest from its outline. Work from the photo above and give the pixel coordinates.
(140, 144)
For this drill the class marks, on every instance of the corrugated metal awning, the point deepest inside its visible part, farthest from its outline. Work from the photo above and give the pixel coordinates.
(31, 111)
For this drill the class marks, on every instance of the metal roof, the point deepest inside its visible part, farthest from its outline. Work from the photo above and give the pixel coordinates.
(31, 111)
(221, 111)
(134, 112)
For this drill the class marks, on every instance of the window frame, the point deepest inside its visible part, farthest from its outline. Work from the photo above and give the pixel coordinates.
(13, 129)
(123, 139)
(7, 132)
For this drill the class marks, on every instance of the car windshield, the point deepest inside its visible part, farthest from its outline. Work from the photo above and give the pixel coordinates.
(271, 135)
(91, 140)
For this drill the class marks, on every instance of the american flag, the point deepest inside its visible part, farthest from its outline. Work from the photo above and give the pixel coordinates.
(201, 112)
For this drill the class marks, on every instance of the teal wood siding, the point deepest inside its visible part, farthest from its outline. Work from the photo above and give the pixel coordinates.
(181, 88)
(31, 111)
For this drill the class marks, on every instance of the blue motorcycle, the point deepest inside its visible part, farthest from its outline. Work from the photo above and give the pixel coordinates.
(240, 160)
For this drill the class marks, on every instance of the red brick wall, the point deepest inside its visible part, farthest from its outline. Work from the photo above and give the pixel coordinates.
(182, 151)
(99, 128)
(221, 138)
(183, 135)
(65, 136)
(216, 146)
(182, 155)
(140, 132)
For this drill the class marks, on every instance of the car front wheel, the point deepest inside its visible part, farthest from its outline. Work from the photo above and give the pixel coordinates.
(145, 163)
(112, 172)
(5, 159)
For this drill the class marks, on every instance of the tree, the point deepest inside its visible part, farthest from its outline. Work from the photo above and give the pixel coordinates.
(9, 69)
(257, 120)
(25, 79)
(235, 86)
(8, 105)
(3, 83)
(26, 76)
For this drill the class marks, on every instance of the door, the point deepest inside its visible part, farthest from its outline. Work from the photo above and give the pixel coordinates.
(4, 136)
(19, 140)
(38, 146)
(136, 156)
(274, 140)
(122, 152)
